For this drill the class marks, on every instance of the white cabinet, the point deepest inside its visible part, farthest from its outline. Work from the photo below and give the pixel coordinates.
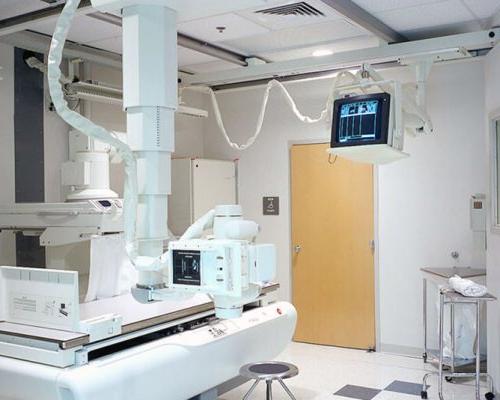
(198, 185)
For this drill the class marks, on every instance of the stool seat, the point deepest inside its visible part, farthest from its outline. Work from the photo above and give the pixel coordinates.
(269, 371)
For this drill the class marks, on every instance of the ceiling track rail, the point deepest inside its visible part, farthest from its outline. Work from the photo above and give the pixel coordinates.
(439, 48)
(211, 50)
(307, 76)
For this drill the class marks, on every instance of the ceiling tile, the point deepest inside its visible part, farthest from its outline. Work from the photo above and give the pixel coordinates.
(84, 29)
(235, 27)
(375, 6)
(11, 8)
(424, 16)
(483, 8)
(296, 37)
(113, 44)
(189, 57)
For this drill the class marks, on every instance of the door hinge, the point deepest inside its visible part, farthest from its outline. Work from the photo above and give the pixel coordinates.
(372, 245)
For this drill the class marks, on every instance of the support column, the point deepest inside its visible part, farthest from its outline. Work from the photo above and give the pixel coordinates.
(150, 100)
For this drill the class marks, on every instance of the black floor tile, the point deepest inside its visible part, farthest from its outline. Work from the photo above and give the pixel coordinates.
(358, 392)
(405, 387)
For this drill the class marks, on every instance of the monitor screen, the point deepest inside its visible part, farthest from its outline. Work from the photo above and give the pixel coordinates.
(187, 267)
(361, 120)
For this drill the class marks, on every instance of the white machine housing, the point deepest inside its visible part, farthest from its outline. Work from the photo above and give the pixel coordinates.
(238, 264)
(230, 270)
(228, 265)
(86, 174)
(209, 352)
(64, 223)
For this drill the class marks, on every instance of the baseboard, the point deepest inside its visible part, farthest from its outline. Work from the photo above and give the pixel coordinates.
(401, 350)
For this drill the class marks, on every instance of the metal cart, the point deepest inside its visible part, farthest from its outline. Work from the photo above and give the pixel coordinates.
(440, 276)
(448, 296)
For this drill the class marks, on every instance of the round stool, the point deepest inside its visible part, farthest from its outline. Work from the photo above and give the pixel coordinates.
(269, 371)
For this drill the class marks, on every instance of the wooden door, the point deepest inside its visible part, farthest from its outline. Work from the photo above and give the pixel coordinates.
(332, 248)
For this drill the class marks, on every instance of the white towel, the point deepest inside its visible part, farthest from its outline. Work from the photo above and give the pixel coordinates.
(111, 272)
(466, 287)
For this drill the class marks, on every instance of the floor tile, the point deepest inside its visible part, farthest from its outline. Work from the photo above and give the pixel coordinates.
(405, 387)
(358, 392)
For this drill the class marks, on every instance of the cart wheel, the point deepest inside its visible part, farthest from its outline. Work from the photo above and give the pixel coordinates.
(489, 396)
(448, 379)
(423, 394)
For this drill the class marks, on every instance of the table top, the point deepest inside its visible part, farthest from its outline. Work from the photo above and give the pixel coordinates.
(462, 272)
(64, 339)
(136, 316)
(456, 297)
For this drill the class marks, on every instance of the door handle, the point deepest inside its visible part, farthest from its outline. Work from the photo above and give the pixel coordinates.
(297, 248)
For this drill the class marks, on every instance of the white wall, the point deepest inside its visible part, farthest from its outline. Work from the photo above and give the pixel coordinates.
(492, 95)
(423, 200)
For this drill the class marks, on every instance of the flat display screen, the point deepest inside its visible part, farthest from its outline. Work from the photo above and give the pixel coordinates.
(360, 120)
(187, 268)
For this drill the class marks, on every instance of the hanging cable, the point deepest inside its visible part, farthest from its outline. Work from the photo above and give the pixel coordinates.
(260, 120)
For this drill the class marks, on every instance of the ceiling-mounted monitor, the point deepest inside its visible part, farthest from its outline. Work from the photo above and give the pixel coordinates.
(362, 129)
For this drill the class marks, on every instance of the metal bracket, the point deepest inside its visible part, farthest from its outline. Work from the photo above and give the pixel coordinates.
(81, 357)
(59, 236)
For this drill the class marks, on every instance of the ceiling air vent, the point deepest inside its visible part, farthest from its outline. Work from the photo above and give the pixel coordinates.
(298, 9)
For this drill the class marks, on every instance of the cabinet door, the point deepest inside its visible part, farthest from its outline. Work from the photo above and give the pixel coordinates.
(214, 183)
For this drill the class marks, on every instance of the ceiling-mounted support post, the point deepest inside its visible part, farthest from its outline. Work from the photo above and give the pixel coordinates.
(422, 70)
(150, 100)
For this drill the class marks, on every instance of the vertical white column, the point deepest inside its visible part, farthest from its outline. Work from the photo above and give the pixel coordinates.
(150, 100)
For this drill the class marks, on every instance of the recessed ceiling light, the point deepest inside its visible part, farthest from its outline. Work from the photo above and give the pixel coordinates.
(322, 53)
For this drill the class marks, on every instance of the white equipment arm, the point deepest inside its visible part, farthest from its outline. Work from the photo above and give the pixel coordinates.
(230, 268)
